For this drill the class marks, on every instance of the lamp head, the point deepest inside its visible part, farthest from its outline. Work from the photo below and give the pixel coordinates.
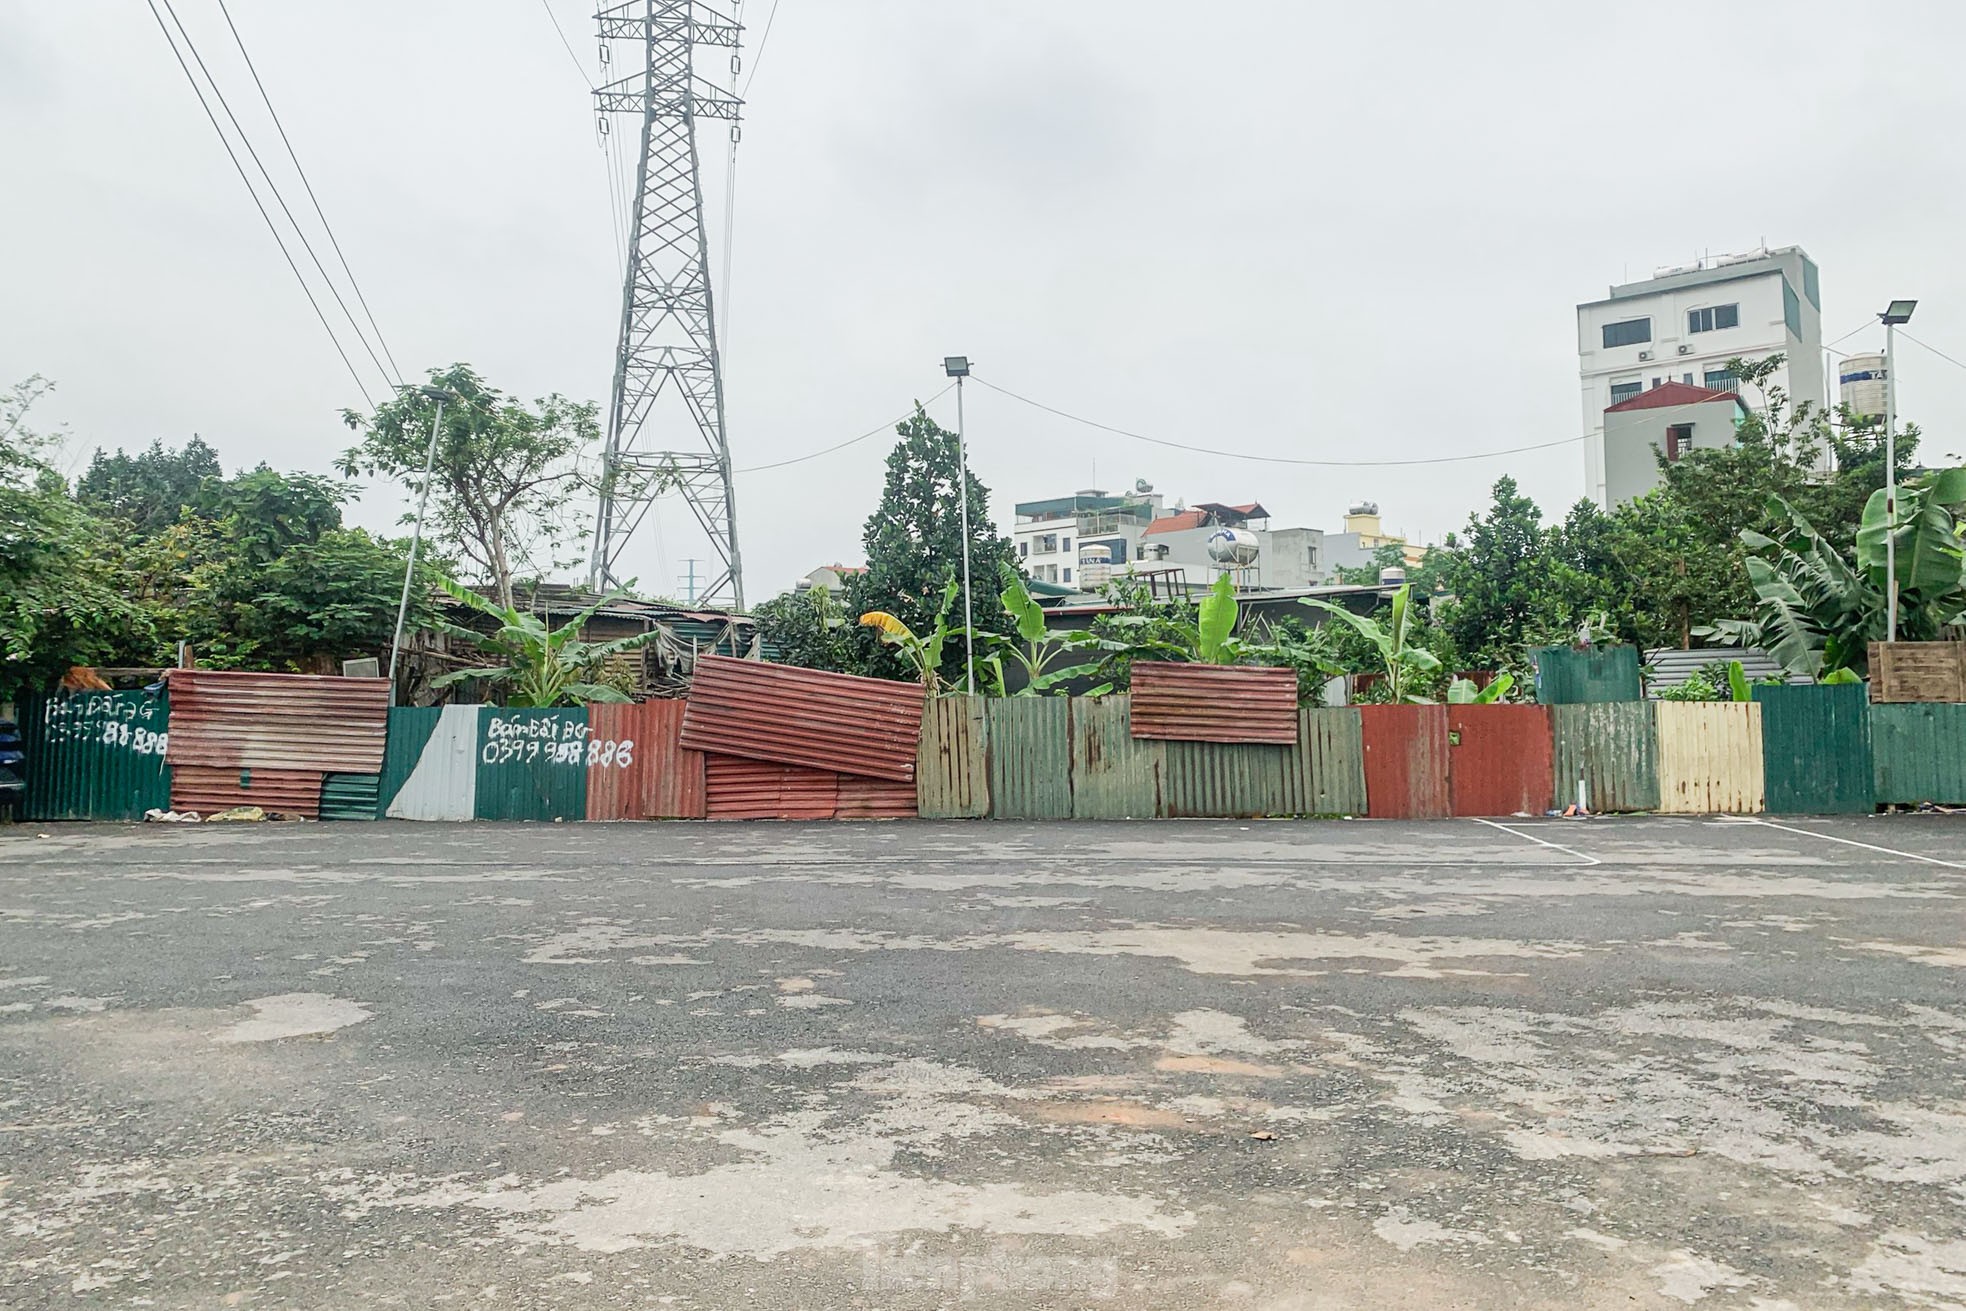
(1899, 311)
(956, 366)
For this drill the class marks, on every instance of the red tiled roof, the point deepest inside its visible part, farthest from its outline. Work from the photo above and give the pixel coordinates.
(1176, 523)
(1672, 393)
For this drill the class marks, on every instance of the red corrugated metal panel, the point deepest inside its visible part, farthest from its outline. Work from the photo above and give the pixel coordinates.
(866, 726)
(660, 779)
(209, 789)
(1215, 703)
(277, 721)
(1499, 760)
(874, 798)
(736, 788)
(1405, 761)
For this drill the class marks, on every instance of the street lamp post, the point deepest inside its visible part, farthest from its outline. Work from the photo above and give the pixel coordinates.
(1898, 312)
(957, 367)
(439, 395)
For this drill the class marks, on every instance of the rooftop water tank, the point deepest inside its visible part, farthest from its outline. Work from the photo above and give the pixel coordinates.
(1860, 385)
(1234, 547)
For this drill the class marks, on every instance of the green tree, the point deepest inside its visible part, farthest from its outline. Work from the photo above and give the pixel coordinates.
(506, 482)
(915, 544)
(1508, 583)
(149, 490)
(58, 602)
(335, 597)
(811, 629)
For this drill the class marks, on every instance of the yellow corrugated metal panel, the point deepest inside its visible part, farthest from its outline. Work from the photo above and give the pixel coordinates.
(1710, 758)
(952, 771)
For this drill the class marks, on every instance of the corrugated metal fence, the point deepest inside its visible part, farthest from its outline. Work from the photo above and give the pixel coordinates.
(1606, 755)
(1920, 751)
(1710, 757)
(1566, 676)
(1816, 750)
(96, 755)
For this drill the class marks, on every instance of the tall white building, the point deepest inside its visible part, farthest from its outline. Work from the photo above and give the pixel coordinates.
(1684, 323)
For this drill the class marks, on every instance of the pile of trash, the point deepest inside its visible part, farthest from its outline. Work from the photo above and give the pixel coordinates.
(236, 815)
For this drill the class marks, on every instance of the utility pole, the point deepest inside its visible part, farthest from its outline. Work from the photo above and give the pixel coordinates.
(1898, 312)
(957, 367)
(666, 410)
(439, 395)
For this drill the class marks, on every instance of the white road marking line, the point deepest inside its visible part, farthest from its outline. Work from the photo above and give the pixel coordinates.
(1530, 837)
(1852, 842)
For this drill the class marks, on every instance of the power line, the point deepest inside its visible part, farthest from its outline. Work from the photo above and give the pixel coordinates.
(759, 54)
(326, 227)
(252, 191)
(1934, 349)
(565, 45)
(852, 441)
(1273, 459)
(1868, 323)
(271, 185)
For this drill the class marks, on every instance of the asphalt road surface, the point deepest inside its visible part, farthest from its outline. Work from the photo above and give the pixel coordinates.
(1267, 1066)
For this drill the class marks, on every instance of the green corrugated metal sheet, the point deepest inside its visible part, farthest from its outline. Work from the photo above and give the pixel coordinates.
(95, 755)
(532, 764)
(1920, 751)
(1114, 775)
(409, 730)
(351, 796)
(1816, 749)
(952, 769)
(1325, 773)
(1224, 780)
(1030, 740)
(1565, 676)
(1613, 747)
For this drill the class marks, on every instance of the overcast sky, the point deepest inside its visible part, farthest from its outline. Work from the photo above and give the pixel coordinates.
(1305, 229)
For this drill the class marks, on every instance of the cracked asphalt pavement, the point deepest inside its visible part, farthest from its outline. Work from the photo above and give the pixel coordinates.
(1625, 1063)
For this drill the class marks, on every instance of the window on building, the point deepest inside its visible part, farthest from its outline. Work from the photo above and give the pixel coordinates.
(1629, 333)
(1065, 544)
(1791, 309)
(1068, 573)
(1686, 378)
(1713, 317)
(1023, 550)
(1812, 286)
(1679, 440)
(1624, 391)
(1721, 380)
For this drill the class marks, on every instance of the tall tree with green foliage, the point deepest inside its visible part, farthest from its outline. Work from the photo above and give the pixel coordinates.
(149, 490)
(59, 605)
(507, 486)
(812, 629)
(1508, 582)
(915, 544)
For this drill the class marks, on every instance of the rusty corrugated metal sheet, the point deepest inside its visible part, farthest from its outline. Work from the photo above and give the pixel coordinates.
(1229, 780)
(1326, 773)
(952, 769)
(1499, 760)
(208, 789)
(1405, 761)
(1114, 774)
(1710, 757)
(1030, 757)
(292, 722)
(1214, 703)
(865, 726)
(740, 788)
(1607, 754)
(650, 775)
(874, 798)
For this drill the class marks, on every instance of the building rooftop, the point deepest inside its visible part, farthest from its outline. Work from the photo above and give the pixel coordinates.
(1668, 394)
(1204, 514)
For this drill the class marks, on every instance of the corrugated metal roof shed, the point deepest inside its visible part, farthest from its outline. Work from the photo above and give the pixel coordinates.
(1214, 703)
(307, 722)
(865, 726)
(1671, 666)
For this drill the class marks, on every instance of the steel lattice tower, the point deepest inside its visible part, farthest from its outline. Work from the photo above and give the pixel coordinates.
(668, 379)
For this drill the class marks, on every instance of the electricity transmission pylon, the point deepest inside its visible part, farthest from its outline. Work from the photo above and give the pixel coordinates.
(666, 413)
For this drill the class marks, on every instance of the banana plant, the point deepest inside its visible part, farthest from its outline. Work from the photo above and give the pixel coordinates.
(1402, 656)
(1036, 645)
(1463, 692)
(923, 654)
(539, 666)
(1216, 624)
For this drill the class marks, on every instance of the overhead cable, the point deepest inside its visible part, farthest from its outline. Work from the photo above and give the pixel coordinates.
(258, 204)
(852, 441)
(1274, 459)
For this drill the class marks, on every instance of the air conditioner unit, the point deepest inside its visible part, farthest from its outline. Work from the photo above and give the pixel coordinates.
(1686, 350)
(1645, 355)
